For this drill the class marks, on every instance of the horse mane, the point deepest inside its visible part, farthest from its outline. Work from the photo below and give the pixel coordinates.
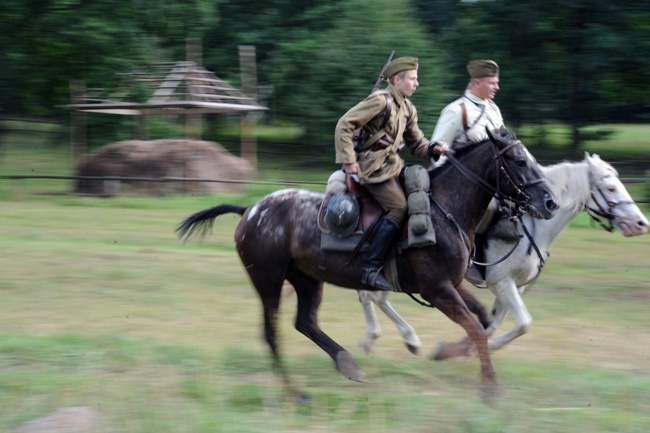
(462, 145)
(459, 147)
(569, 182)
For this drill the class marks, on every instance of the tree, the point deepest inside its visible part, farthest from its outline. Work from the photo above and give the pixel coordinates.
(50, 42)
(319, 75)
(563, 60)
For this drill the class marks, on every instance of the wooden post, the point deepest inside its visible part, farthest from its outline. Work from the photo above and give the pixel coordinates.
(193, 122)
(140, 127)
(249, 88)
(78, 133)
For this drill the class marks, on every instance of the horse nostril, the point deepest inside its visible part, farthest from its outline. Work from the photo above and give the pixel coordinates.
(551, 205)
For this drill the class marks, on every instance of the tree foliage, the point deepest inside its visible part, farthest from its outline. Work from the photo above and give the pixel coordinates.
(573, 61)
(319, 75)
(51, 42)
(563, 60)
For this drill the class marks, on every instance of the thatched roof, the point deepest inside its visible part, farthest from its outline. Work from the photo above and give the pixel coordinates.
(180, 88)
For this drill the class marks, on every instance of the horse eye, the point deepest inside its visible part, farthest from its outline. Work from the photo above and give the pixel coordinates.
(521, 163)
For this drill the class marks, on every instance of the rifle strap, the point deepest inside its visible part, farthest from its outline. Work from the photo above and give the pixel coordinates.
(398, 139)
(380, 133)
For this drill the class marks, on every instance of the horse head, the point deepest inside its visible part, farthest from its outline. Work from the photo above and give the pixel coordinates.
(610, 201)
(518, 178)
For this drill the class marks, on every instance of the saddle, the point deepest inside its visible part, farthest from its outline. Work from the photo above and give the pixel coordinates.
(416, 231)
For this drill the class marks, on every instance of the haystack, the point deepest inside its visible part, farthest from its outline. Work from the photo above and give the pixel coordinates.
(170, 158)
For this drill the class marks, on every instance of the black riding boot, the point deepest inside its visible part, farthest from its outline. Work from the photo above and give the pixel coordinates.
(372, 274)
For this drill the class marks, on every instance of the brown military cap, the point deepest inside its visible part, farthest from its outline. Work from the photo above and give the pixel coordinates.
(400, 64)
(482, 68)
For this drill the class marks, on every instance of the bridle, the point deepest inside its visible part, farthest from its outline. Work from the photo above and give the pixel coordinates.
(502, 168)
(520, 201)
(603, 214)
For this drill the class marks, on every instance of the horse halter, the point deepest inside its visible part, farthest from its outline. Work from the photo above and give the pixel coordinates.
(605, 211)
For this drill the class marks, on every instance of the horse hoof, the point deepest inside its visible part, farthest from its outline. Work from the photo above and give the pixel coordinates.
(490, 394)
(366, 345)
(440, 353)
(451, 350)
(415, 350)
(348, 368)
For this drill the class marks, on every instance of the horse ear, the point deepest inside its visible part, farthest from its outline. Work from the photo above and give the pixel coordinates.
(592, 157)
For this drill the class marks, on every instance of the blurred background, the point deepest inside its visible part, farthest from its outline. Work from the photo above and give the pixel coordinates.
(572, 73)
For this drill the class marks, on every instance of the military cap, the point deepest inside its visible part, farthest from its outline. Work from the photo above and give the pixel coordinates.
(482, 68)
(400, 64)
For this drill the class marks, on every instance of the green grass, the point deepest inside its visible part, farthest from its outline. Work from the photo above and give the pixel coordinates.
(103, 307)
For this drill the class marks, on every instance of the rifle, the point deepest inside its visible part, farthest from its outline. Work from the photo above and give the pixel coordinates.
(380, 77)
(360, 135)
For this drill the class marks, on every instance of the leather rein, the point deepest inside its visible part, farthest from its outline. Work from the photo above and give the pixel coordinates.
(601, 213)
(597, 215)
(502, 168)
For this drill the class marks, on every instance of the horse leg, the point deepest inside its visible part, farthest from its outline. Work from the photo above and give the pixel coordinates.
(373, 328)
(465, 346)
(269, 282)
(510, 300)
(411, 338)
(498, 315)
(450, 303)
(475, 306)
(270, 305)
(310, 294)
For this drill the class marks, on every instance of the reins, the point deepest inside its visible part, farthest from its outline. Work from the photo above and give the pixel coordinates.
(502, 167)
(502, 259)
(604, 213)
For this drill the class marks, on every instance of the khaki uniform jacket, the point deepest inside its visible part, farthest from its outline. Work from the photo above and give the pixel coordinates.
(450, 123)
(380, 165)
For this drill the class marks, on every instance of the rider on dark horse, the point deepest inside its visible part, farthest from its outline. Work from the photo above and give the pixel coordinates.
(387, 118)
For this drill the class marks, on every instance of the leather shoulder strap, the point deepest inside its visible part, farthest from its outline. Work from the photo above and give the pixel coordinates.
(380, 132)
(409, 105)
(389, 107)
(463, 110)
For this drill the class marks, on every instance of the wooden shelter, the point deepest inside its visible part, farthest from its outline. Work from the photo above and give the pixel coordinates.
(179, 88)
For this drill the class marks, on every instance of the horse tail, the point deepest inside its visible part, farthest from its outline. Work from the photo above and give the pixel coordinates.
(200, 223)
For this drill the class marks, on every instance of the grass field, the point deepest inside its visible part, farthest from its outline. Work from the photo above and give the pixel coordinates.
(103, 307)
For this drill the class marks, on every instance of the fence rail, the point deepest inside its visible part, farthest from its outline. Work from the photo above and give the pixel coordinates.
(627, 180)
(163, 179)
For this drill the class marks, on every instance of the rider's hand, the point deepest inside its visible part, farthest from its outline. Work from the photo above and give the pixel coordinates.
(438, 148)
(352, 168)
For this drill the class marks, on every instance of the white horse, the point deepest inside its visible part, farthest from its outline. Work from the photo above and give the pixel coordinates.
(591, 185)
